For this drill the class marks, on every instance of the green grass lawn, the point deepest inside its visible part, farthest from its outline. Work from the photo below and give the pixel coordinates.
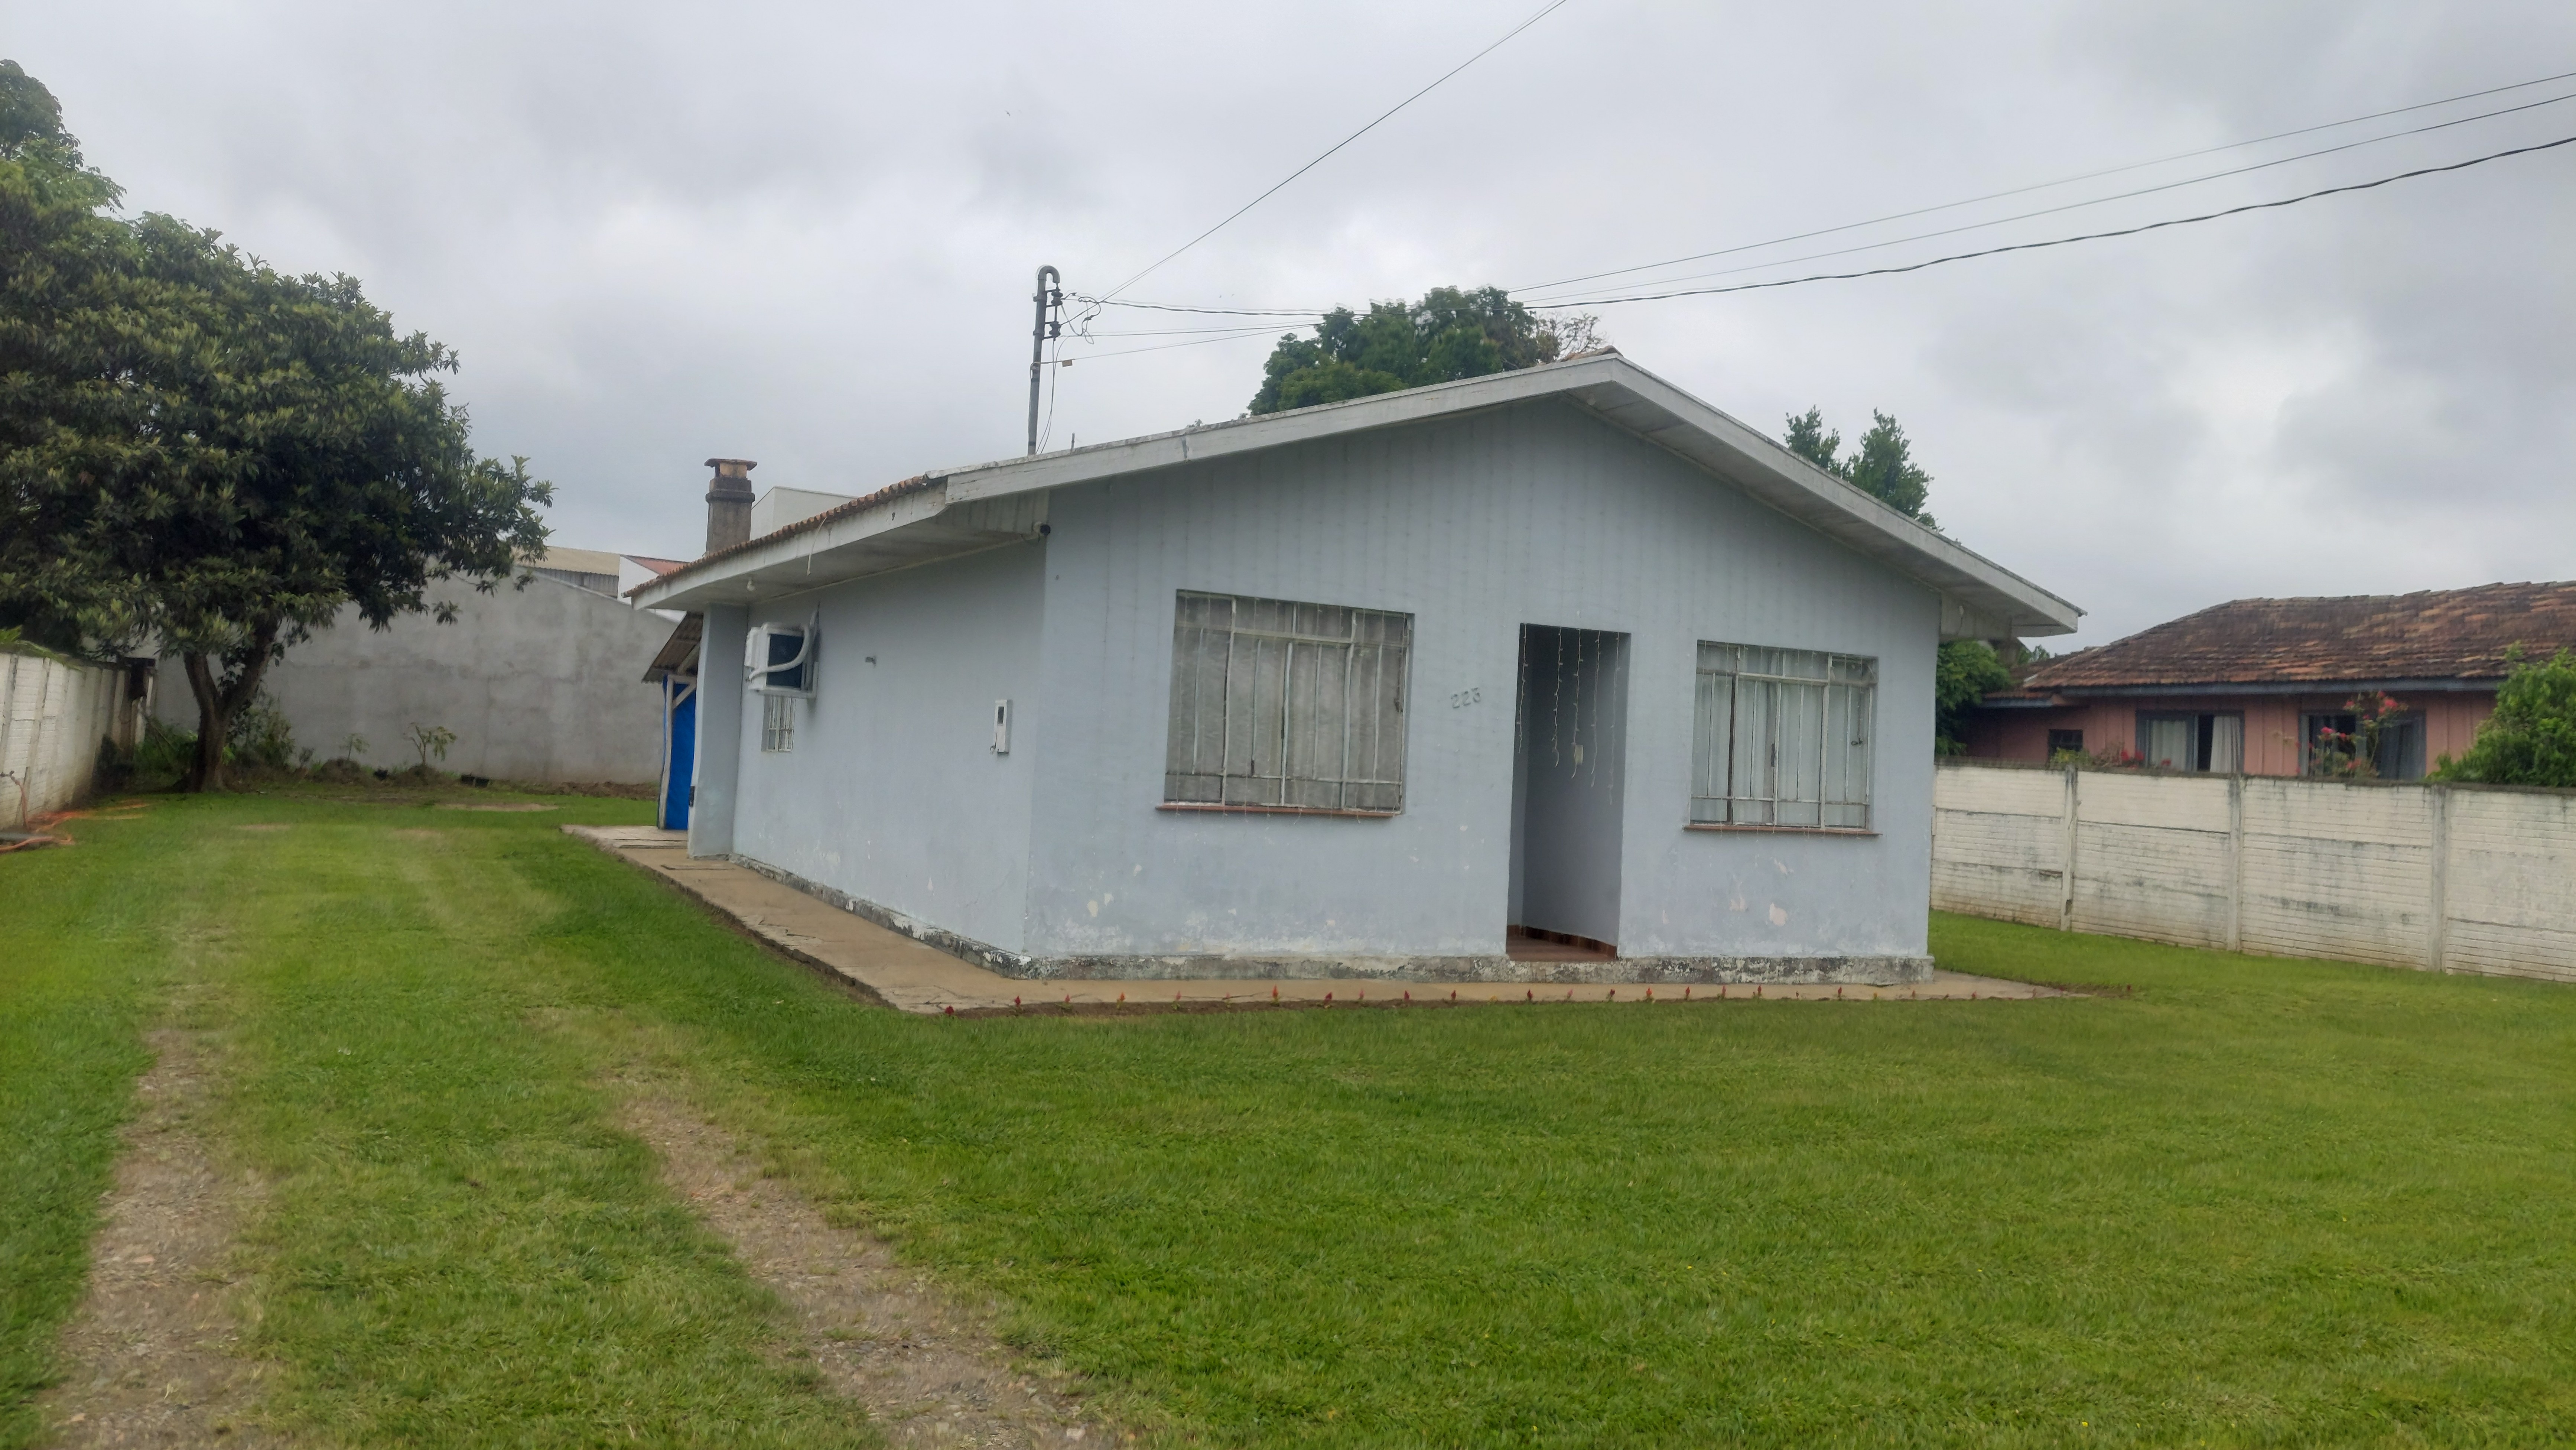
(2259, 1202)
(81, 963)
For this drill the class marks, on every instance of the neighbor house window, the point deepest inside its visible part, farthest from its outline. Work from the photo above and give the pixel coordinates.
(1782, 738)
(777, 722)
(2063, 742)
(2330, 740)
(1289, 706)
(2211, 742)
(2401, 748)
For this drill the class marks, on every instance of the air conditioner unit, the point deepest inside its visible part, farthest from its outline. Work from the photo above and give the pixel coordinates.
(778, 659)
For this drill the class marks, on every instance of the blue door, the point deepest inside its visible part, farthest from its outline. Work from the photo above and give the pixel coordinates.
(679, 769)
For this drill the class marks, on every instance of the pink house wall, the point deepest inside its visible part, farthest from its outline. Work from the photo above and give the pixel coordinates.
(2271, 724)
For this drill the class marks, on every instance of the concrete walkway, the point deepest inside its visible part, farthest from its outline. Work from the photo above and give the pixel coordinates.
(903, 973)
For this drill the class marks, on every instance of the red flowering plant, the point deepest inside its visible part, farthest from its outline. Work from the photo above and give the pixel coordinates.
(2354, 754)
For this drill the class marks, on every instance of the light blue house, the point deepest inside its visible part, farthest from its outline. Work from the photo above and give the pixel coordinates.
(1557, 674)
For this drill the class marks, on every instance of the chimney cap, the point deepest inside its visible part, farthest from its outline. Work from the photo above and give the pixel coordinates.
(732, 467)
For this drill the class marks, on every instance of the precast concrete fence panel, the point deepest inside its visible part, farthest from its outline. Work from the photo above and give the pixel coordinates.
(2446, 877)
(53, 717)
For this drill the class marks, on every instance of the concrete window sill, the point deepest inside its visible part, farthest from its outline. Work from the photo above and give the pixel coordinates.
(1780, 830)
(1216, 808)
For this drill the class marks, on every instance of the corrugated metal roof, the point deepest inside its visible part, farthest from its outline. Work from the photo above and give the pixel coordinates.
(676, 650)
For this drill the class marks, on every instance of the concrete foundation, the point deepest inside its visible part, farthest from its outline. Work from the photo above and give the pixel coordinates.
(1866, 971)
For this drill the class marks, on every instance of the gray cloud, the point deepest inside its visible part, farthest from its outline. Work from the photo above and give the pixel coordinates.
(804, 233)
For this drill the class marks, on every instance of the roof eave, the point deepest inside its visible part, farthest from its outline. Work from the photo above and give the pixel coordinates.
(916, 527)
(2421, 685)
(1980, 598)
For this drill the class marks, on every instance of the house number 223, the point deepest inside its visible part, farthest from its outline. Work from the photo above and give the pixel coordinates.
(1474, 695)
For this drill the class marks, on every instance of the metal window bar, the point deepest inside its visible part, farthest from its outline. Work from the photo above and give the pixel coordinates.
(1782, 737)
(1279, 703)
(777, 723)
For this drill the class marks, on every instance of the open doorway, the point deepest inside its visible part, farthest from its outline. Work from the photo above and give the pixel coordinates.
(1569, 752)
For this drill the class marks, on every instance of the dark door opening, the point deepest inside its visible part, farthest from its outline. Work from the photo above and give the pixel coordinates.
(1569, 758)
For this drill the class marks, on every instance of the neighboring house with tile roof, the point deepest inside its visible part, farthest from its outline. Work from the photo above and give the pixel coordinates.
(2248, 685)
(1558, 674)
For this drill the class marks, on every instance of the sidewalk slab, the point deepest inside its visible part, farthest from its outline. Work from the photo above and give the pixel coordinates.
(914, 977)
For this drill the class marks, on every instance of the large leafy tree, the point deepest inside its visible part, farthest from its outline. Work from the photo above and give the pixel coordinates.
(199, 449)
(1883, 467)
(1450, 334)
(85, 340)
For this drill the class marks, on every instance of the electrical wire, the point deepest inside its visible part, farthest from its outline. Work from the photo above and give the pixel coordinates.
(1094, 304)
(2069, 241)
(1186, 331)
(1961, 256)
(1168, 346)
(2061, 181)
(1544, 11)
(2028, 215)
(1098, 302)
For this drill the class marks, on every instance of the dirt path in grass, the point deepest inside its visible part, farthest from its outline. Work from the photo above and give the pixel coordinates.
(150, 1354)
(929, 1369)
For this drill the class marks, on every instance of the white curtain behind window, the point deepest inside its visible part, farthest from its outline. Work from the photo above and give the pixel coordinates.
(2170, 742)
(2227, 744)
(1798, 784)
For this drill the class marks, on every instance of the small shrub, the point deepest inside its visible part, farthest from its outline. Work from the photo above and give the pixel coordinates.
(163, 754)
(430, 740)
(259, 737)
(2531, 737)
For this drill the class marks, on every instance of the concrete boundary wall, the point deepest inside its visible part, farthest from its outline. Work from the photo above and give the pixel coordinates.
(53, 717)
(2442, 877)
(540, 680)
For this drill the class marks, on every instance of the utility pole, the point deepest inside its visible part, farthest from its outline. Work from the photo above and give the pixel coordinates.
(1040, 334)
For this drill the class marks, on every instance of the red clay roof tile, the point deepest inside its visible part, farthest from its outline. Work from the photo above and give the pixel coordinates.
(2439, 634)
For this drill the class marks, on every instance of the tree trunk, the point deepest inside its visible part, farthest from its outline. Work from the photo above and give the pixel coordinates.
(218, 702)
(206, 772)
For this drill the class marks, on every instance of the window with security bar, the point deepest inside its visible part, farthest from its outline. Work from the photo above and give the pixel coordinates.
(1782, 738)
(777, 723)
(1287, 706)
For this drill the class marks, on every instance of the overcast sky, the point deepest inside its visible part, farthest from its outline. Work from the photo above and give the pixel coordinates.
(805, 234)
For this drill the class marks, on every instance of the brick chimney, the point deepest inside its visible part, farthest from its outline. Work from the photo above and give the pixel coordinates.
(729, 501)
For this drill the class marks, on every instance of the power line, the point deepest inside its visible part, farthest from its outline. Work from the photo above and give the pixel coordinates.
(1186, 331)
(1209, 311)
(1168, 346)
(2061, 181)
(2063, 207)
(1544, 11)
(1097, 302)
(2069, 241)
